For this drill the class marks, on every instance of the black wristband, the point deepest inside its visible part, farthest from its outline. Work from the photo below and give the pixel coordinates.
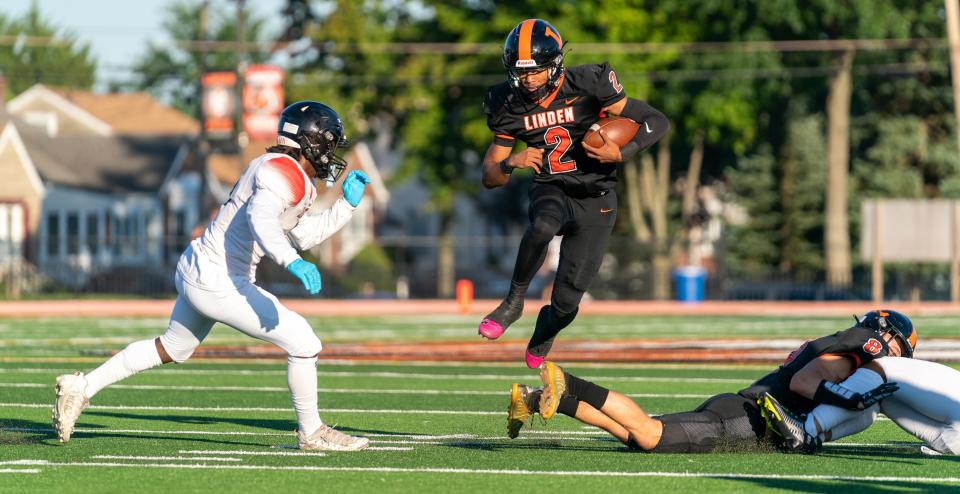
(505, 168)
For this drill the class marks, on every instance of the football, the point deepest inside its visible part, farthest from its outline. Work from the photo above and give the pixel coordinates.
(617, 129)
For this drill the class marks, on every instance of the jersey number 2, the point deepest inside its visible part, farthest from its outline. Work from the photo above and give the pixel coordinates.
(559, 138)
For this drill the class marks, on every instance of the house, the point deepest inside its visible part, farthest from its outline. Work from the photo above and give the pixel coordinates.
(98, 182)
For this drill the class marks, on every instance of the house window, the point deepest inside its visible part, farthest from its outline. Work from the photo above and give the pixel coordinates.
(73, 234)
(53, 234)
(11, 231)
(93, 232)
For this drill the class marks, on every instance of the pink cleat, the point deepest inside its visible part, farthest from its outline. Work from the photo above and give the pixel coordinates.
(490, 329)
(496, 322)
(534, 361)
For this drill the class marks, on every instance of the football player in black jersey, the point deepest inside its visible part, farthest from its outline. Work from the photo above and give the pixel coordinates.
(550, 108)
(808, 377)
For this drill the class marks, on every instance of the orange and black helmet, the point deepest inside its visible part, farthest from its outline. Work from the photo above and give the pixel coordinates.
(532, 46)
(885, 321)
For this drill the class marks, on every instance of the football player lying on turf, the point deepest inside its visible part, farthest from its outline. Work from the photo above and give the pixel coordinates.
(926, 405)
(216, 275)
(730, 420)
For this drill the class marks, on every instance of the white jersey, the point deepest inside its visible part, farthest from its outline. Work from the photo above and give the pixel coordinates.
(261, 217)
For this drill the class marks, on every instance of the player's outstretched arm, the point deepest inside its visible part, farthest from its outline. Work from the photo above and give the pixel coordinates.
(313, 229)
(653, 125)
(498, 163)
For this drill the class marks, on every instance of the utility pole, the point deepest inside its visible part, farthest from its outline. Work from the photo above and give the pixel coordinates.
(203, 142)
(953, 34)
(242, 138)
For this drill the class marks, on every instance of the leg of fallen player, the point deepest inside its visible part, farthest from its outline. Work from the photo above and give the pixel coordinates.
(600, 407)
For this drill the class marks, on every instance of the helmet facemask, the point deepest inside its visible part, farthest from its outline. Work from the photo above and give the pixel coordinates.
(554, 71)
(319, 148)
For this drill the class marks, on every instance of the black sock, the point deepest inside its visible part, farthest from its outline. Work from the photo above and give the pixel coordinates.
(594, 395)
(547, 327)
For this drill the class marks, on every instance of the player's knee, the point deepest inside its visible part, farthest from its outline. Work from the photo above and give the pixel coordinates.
(565, 301)
(304, 342)
(308, 348)
(180, 349)
(949, 441)
(543, 229)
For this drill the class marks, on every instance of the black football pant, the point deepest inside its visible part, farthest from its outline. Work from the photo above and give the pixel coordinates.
(585, 224)
(727, 422)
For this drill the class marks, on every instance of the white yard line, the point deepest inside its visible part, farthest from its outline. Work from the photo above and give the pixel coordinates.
(468, 471)
(403, 375)
(165, 458)
(278, 389)
(19, 470)
(261, 409)
(248, 453)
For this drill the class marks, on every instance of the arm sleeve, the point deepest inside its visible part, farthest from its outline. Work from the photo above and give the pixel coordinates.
(653, 126)
(263, 214)
(313, 229)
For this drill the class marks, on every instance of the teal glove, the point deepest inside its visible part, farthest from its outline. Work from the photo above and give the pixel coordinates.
(308, 274)
(353, 187)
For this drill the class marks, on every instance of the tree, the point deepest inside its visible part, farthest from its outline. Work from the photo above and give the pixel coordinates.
(753, 248)
(56, 58)
(174, 74)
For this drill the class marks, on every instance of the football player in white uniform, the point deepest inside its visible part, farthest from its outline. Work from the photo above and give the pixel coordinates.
(925, 402)
(926, 405)
(215, 278)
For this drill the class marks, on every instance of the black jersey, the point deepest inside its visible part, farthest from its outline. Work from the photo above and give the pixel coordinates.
(557, 124)
(861, 345)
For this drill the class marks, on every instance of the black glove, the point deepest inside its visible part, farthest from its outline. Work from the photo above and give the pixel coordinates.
(837, 395)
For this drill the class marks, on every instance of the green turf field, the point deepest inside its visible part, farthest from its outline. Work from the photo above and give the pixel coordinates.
(224, 426)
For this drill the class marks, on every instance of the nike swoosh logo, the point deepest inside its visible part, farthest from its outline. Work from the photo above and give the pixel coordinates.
(570, 101)
(645, 124)
(605, 210)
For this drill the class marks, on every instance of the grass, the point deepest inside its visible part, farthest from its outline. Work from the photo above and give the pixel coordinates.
(227, 425)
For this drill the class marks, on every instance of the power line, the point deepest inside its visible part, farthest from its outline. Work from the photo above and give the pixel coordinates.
(677, 75)
(452, 48)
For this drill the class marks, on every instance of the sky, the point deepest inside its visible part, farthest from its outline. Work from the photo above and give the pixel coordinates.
(118, 30)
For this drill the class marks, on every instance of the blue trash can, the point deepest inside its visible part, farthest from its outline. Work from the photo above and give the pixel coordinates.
(690, 282)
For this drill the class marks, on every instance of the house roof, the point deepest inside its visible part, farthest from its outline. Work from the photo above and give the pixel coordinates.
(119, 163)
(131, 113)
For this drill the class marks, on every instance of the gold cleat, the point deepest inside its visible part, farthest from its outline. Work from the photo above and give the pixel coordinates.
(523, 401)
(554, 385)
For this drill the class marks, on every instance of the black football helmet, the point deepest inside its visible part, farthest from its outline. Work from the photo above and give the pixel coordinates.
(885, 321)
(532, 46)
(316, 130)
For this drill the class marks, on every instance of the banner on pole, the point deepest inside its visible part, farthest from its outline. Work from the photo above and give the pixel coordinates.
(262, 101)
(219, 103)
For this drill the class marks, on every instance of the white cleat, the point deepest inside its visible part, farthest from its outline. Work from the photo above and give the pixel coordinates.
(71, 400)
(327, 438)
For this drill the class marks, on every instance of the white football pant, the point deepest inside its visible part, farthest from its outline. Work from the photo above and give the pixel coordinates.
(249, 309)
(927, 405)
